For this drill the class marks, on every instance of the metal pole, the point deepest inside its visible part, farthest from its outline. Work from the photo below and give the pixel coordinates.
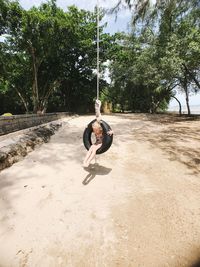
(97, 49)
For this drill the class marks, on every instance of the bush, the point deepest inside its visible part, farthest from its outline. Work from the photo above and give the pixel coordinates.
(7, 114)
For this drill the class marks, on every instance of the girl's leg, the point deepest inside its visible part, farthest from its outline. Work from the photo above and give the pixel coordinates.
(87, 156)
(92, 155)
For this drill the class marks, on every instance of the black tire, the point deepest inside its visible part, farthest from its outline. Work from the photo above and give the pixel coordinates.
(107, 139)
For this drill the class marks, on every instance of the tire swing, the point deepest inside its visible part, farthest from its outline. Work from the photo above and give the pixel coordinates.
(107, 139)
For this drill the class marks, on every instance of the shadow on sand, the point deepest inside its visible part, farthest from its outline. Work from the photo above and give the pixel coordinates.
(93, 170)
(175, 135)
(196, 264)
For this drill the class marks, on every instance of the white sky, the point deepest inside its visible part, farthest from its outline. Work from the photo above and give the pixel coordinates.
(194, 100)
(84, 4)
(123, 17)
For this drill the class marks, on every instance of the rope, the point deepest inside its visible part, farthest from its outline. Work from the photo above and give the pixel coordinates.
(98, 102)
(97, 49)
(97, 109)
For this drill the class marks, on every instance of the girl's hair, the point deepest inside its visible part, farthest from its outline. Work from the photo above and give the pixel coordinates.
(97, 125)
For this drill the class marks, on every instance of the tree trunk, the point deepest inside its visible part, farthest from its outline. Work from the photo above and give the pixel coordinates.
(122, 107)
(180, 108)
(35, 88)
(22, 99)
(185, 87)
(35, 79)
(42, 105)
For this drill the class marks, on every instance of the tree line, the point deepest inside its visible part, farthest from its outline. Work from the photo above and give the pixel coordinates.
(48, 57)
(160, 57)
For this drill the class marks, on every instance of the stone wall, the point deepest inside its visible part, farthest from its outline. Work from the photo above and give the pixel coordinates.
(18, 145)
(9, 124)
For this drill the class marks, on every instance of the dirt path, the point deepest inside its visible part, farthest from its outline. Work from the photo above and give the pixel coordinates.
(140, 206)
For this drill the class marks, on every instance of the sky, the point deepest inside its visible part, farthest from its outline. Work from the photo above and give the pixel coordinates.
(194, 100)
(113, 25)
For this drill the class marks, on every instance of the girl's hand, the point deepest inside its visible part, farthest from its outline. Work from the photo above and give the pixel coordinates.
(110, 132)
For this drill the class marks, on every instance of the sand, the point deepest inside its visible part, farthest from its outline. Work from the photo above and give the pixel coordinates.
(139, 205)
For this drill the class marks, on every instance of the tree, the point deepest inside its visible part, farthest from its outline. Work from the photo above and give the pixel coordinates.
(52, 53)
(169, 36)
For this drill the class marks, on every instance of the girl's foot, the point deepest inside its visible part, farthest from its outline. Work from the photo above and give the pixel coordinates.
(85, 164)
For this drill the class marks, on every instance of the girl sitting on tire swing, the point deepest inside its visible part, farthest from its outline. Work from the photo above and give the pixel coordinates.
(98, 131)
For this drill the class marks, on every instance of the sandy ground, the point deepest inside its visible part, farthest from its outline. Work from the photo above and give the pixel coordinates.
(139, 206)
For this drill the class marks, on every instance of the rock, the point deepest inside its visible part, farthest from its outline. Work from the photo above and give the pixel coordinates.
(14, 152)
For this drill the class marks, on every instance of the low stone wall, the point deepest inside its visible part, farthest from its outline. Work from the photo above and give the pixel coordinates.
(14, 148)
(18, 122)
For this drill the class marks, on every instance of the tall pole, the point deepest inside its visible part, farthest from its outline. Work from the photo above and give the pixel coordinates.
(97, 49)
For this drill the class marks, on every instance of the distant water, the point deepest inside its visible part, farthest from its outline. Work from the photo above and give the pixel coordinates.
(195, 109)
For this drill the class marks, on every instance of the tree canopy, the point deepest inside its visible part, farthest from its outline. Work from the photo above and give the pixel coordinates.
(161, 53)
(48, 57)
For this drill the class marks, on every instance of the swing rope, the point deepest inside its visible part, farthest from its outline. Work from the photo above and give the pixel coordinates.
(98, 102)
(107, 139)
(97, 49)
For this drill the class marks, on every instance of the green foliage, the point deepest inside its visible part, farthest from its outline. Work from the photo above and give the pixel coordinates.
(51, 53)
(7, 114)
(48, 59)
(162, 53)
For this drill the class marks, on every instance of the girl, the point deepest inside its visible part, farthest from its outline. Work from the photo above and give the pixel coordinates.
(98, 131)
